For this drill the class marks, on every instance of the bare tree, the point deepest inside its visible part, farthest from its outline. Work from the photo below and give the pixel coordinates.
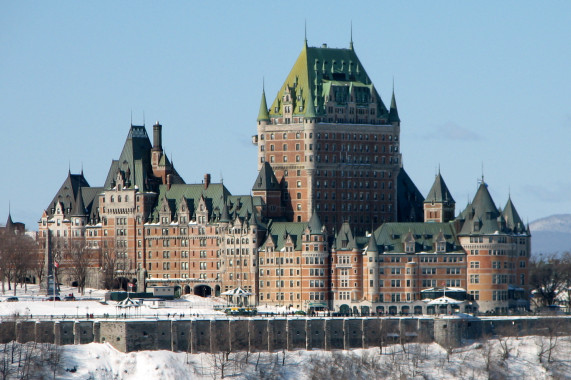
(547, 345)
(77, 261)
(17, 252)
(109, 264)
(546, 278)
(566, 273)
(37, 265)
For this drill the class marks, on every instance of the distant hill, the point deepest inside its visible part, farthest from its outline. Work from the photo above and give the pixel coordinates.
(551, 234)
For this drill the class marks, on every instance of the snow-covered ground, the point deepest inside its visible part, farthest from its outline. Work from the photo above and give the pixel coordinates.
(32, 303)
(513, 358)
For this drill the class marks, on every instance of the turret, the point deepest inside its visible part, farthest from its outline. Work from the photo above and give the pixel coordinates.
(268, 188)
(439, 205)
(393, 113)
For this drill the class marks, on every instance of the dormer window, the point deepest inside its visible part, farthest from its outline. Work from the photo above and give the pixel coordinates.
(409, 247)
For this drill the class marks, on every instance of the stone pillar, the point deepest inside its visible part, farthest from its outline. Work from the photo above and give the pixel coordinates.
(345, 334)
(57, 333)
(270, 335)
(19, 332)
(192, 337)
(76, 333)
(174, 336)
(97, 332)
(327, 331)
(37, 332)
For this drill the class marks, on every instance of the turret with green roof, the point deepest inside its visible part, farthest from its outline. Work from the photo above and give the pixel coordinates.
(263, 114)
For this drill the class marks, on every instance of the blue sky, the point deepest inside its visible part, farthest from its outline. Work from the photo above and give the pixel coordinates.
(477, 84)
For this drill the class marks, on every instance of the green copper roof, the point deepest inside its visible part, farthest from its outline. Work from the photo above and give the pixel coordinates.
(315, 71)
(392, 236)
(481, 217)
(439, 192)
(372, 245)
(345, 239)
(279, 231)
(263, 114)
(513, 221)
(315, 226)
(214, 196)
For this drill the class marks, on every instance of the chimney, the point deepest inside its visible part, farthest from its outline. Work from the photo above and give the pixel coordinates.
(206, 181)
(157, 136)
(169, 179)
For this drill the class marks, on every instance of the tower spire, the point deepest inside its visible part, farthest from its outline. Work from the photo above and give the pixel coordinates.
(263, 115)
(351, 41)
(393, 112)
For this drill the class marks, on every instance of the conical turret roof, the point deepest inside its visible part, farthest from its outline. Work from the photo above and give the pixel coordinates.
(263, 115)
(512, 218)
(9, 222)
(372, 245)
(345, 239)
(439, 192)
(310, 108)
(482, 215)
(79, 206)
(224, 216)
(314, 225)
(393, 112)
(266, 179)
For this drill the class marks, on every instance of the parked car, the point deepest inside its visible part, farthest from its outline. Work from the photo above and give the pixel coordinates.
(52, 298)
(11, 299)
(71, 297)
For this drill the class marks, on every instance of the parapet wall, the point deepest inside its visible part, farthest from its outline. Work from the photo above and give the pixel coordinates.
(257, 334)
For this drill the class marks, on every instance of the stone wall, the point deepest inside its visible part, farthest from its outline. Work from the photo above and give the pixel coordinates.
(258, 334)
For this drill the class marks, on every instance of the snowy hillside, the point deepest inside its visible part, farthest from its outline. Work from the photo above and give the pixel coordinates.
(553, 223)
(551, 234)
(508, 358)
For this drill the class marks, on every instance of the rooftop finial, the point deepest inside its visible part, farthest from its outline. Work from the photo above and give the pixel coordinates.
(351, 42)
(131, 117)
(305, 31)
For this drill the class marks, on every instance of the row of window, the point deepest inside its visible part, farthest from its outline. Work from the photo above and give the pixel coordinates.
(342, 136)
(342, 159)
(342, 148)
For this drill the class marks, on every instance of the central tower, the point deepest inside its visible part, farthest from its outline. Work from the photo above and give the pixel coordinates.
(331, 141)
